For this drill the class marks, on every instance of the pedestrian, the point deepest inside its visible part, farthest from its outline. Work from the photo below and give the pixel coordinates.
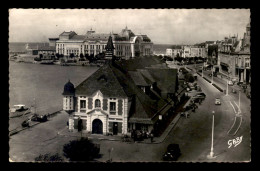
(135, 136)
(151, 137)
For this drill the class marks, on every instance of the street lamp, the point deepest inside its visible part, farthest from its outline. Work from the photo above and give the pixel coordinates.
(227, 88)
(239, 111)
(212, 76)
(211, 154)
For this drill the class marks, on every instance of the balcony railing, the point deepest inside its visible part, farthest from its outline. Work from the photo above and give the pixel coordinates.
(112, 112)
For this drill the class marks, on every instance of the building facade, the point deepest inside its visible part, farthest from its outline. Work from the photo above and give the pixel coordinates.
(174, 52)
(234, 57)
(126, 43)
(187, 51)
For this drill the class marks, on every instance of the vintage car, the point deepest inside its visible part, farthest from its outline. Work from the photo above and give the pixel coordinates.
(173, 153)
(217, 101)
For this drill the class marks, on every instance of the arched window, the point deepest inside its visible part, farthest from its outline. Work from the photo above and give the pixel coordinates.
(97, 103)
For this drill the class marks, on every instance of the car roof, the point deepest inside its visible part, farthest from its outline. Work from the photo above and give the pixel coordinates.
(19, 105)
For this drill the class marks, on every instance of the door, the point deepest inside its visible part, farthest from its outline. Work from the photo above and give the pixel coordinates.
(80, 125)
(115, 128)
(97, 126)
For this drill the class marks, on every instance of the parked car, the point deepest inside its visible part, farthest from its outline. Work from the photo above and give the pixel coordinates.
(25, 123)
(197, 99)
(214, 74)
(217, 101)
(38, 118)
(18, 108)
(173, 153)
(201, 94)
(185, 114)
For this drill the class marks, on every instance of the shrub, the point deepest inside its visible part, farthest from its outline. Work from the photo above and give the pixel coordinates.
(49, 158)
(189, 78)
(80, 150)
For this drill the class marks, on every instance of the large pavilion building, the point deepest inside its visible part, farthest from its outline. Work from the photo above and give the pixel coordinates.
(126, 43)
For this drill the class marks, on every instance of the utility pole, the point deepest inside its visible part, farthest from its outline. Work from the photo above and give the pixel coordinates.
(239, 111)
(227, 88)
(212, 76)
(211, 154)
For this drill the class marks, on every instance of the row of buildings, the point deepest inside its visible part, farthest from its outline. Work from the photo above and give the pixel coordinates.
(187, 51)
(231, 57)
(122, 96)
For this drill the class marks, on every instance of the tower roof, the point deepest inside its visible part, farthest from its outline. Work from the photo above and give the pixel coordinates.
(110, 45)
(68, 89)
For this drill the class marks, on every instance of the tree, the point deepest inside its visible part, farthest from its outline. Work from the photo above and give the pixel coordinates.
(81, 55)
(189, 78)
(72, 55)
(49, 158)
(81, 150)
(57, 55)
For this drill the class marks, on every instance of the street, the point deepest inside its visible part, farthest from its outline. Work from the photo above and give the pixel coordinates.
(193, 135)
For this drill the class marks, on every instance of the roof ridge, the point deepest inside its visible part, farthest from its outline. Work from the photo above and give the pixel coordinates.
(109, 66)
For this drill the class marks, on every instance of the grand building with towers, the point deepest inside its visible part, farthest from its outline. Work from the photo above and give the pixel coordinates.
(126, 43)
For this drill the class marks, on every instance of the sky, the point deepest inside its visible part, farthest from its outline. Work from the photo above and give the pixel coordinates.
(163, 26)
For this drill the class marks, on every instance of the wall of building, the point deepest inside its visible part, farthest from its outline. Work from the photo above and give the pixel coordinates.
(107, 117)
(68, 103)
(126, 49)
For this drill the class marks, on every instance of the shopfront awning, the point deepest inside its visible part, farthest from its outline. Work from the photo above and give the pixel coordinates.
(224, 64)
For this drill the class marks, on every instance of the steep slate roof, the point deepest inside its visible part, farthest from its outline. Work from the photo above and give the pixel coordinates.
(78, 37)
(105, 81)
(110, 44)
(114, 81)
(138, 78)
(143, 107)
(147, 76)
(66, 33)
(68, 89)
(165, 79)
(139, 63)
(97, 36)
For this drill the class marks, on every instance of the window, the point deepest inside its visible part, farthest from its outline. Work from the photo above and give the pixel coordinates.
(112, 108)
(83, 104)
(97, 103)
(246, 62)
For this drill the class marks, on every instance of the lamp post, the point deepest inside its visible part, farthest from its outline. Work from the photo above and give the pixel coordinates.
(212, 76)
(227, 88)
(239, 111)
(211, 154)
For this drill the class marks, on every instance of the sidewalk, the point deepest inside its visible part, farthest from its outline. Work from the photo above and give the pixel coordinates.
(156, 140)
(15, 122)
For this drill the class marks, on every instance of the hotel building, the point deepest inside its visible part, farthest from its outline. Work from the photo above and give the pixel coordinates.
(126, 43)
